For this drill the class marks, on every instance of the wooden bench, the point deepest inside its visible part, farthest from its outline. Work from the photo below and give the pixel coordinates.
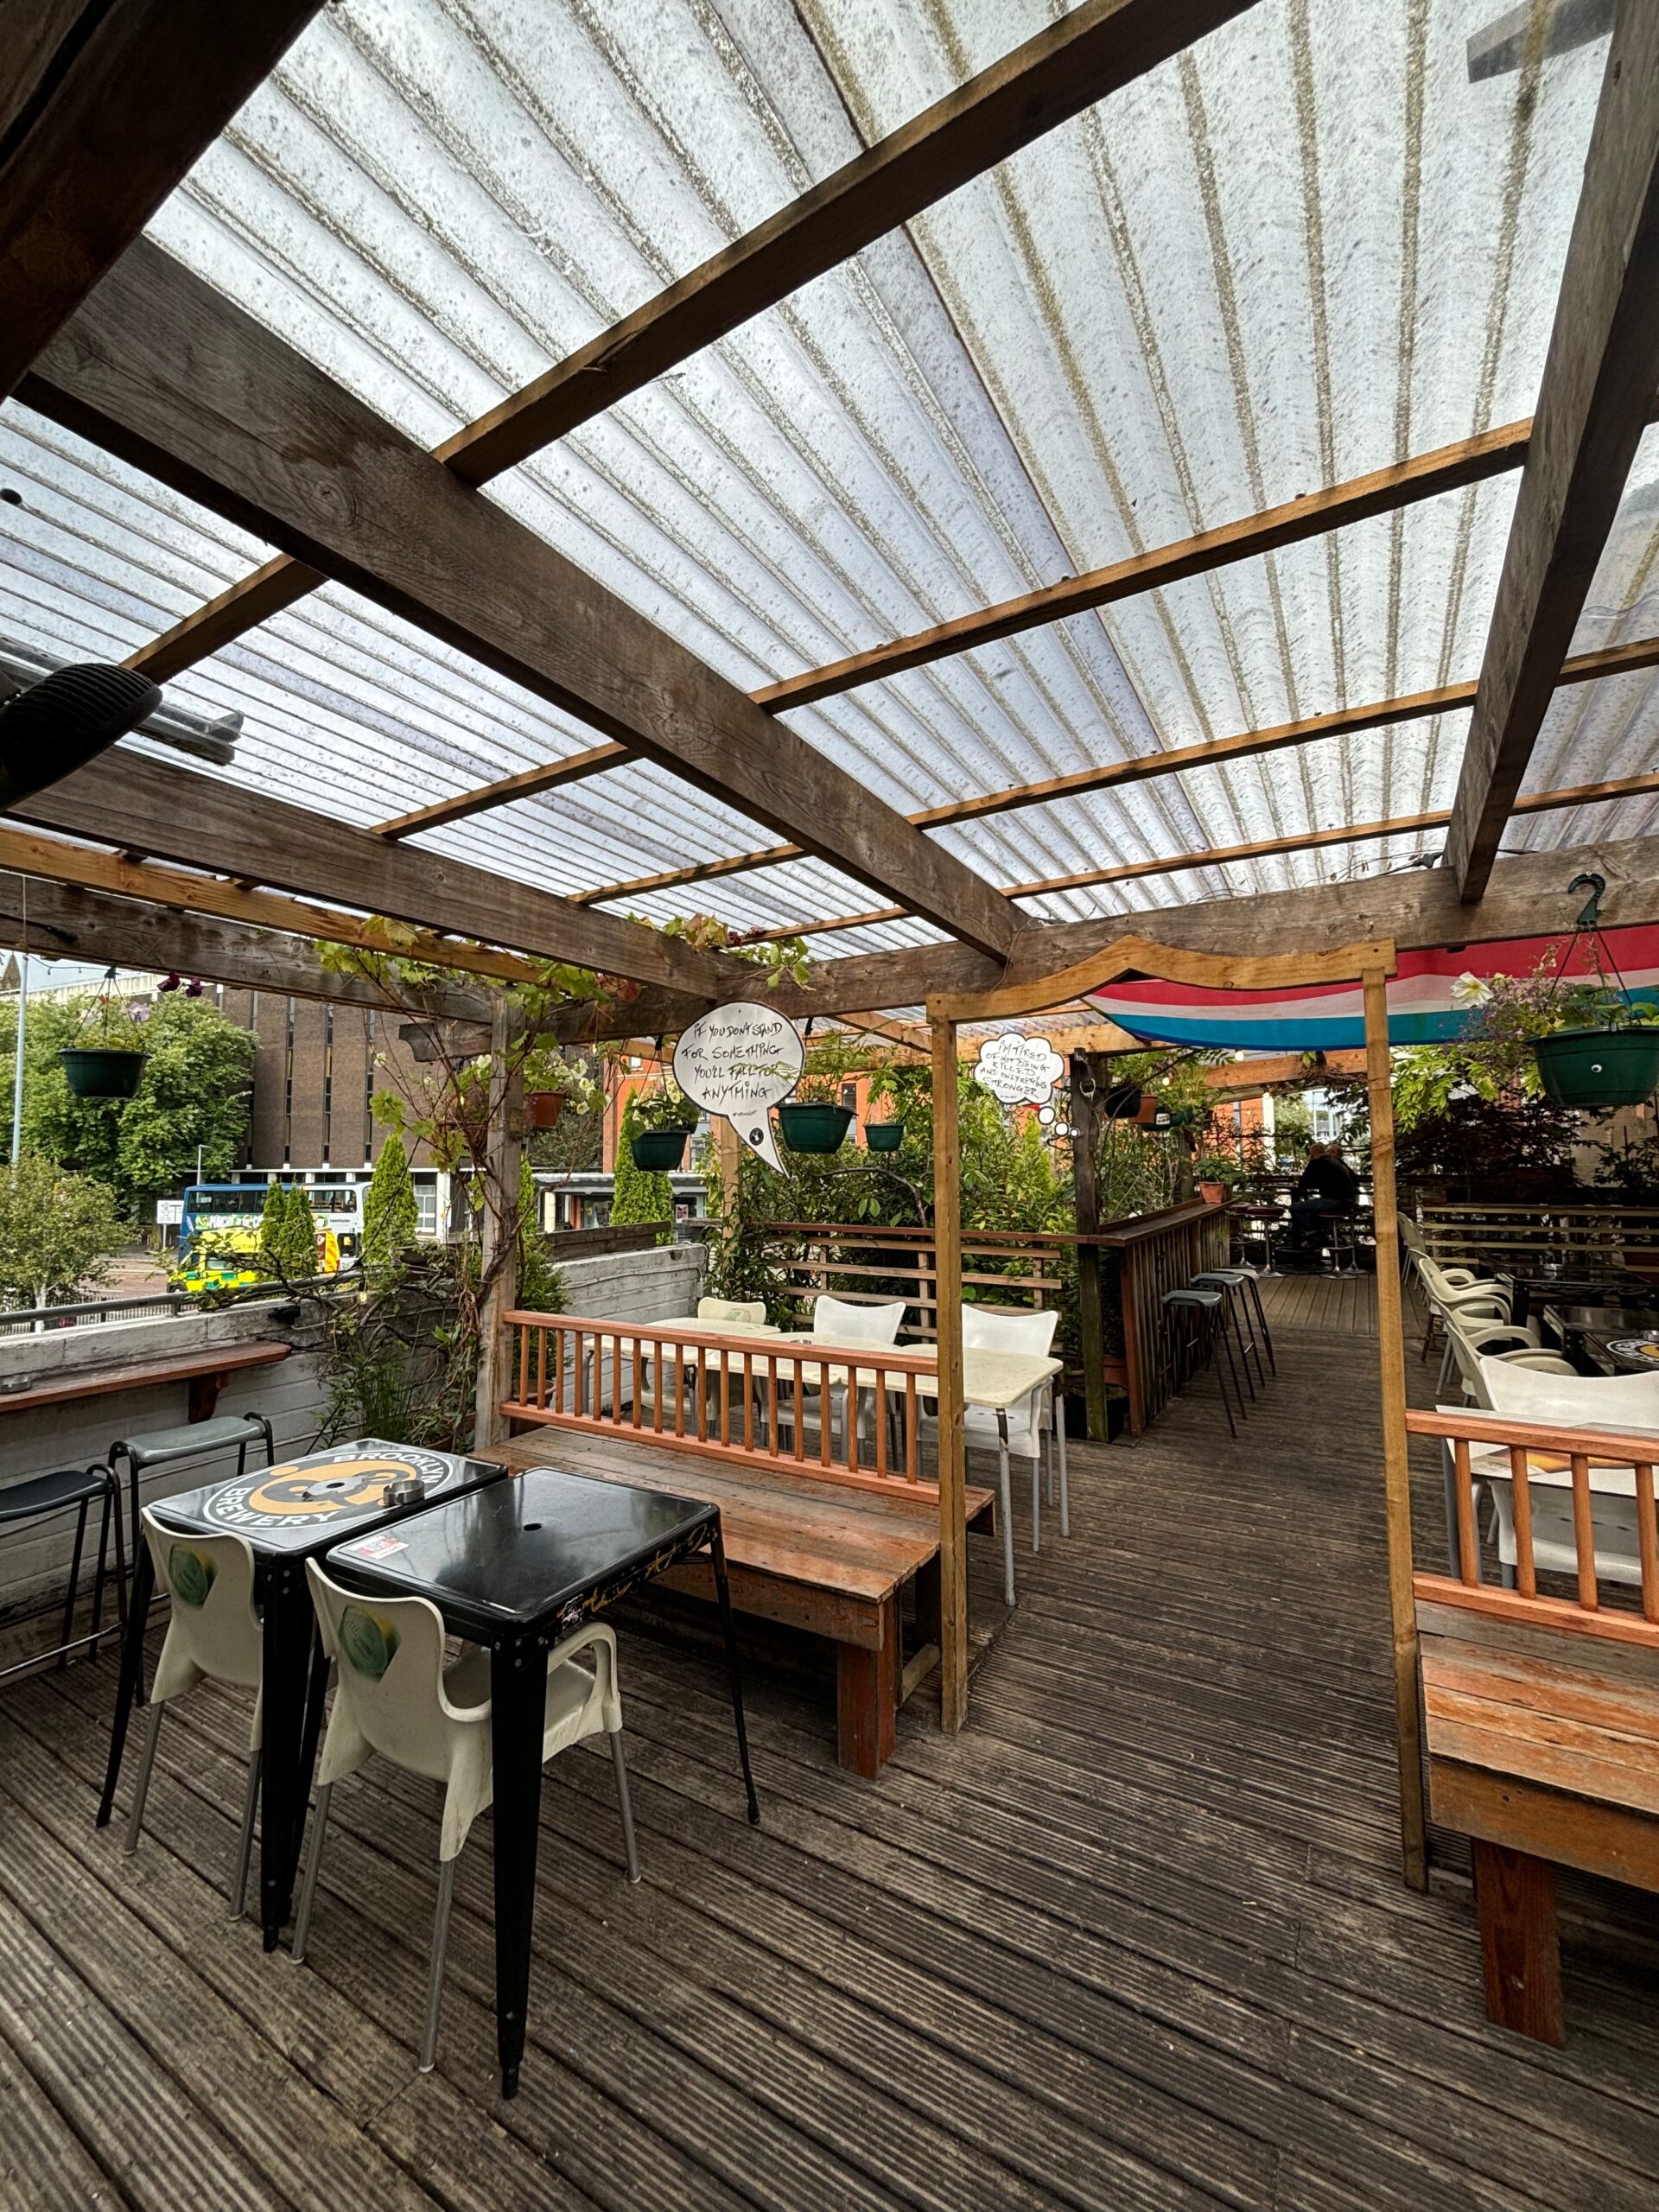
(1541, 1715)
(814, 1541)
(206, 1372)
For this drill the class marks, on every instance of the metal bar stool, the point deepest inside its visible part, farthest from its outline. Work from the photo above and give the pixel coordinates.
(1240, 1282)
(34, 1499)
(1340, 1233)
(1201, 1325)
(194, 1441)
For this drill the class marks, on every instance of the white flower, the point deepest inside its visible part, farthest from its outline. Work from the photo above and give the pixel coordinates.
(1470, 990)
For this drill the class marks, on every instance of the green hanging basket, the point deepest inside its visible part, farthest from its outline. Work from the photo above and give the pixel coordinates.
(659, 1150)
(1599, 1068)
(98, 1072)
(813, 1128)
(884, 1136)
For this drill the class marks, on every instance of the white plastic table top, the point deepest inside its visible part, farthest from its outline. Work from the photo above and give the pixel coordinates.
(1608, 1480)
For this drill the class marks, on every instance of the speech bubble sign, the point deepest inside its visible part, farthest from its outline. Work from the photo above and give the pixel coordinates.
(1019, 1070)
(739, 1061)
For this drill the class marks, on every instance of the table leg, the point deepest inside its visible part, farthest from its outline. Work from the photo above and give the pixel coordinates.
(287, 1654)
(132, 1667)
(316, 1697)
(717, 1547)
(517, 1707)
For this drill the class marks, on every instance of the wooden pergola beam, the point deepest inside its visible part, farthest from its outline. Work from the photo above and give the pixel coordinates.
(217, 407)
(1380, 491)
(506, 790)
(66, 921)
(1592, 405)
(103, 111)
(147, 807)
(1092, 52)
(1144, 767)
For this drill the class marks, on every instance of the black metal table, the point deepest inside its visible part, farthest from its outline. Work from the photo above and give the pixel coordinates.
(1609, 1286)
(515, 1569)
(288, 1514)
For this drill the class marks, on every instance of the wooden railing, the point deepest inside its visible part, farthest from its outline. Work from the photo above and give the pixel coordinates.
(1138, 1260)
(1571, 1450)
(730, 1396)
(1528, 1237)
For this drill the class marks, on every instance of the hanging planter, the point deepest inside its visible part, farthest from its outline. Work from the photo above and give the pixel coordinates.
(809, 1128)
(658, 1150)
(1121, 1103)
(543, 1108)
(1599, 1068)
(100, 1072)
(884, 1136)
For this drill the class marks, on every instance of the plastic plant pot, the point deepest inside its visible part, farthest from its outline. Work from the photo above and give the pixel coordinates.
(1121, 1103)
(813, 1128)
(659, 1149)
(884, 1136)
(1599, 1068)
(544, 1107)
(99, 1072)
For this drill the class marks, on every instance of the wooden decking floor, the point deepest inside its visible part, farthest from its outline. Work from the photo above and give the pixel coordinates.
(1343, 1306)
(1136, 1939)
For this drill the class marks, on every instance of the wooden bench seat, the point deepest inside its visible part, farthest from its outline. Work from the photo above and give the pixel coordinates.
(808, 1554)
(1543, 1748)
(206, 1372)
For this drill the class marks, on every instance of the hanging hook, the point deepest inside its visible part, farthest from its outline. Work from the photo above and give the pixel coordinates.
(1589, 916)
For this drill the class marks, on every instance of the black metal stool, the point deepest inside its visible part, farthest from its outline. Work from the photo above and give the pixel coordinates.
(38, 1495)
(1238, 1282)
(1202, 1324)
(194, 1441)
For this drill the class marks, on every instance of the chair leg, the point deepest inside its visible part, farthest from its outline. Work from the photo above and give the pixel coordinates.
(434, 1978)
(75, 1584)
(1221, 1380)
(1263, 1332)
(141, 1785)
(98, 1577)
(245, 1840)
(1005, 1504)
(1446, 1367)
(313, 1861)
(625, 1805)
(1065, 1487)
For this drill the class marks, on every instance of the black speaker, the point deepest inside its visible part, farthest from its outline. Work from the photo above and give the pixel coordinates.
(65, 719)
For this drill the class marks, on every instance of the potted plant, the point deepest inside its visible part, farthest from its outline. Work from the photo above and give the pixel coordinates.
(663, 1120)
(1604, 1052)
(814, 1125)
(551, 1082)
(112, 1064)
(884, 1136)
(1217, 1177)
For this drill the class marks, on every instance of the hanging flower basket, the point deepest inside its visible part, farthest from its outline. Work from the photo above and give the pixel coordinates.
(884, 1136)
(543, 1108)
(814, 1127)
(1121, 1103)
(1599, 1068)
(100, 1072)
(658, 1150)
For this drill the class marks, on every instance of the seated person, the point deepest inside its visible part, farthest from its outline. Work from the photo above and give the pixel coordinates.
(1327, 1185)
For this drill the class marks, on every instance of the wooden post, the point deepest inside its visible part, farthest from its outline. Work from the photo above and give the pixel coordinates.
(1086, 1187)
(728, 1159)
(1396, 1468)
(947, 1245)
(498, 1253)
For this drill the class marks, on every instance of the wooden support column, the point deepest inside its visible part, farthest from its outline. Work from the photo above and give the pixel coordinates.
(1396, 1470)
(947, 1246)
(729, 1158)
(499, 1254)
(1085, 1185)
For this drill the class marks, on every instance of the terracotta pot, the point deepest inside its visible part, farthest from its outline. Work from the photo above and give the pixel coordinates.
(543, 1108)
(1214, 1194)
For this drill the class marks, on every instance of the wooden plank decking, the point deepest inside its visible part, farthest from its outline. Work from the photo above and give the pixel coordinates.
(1136, 1939)
(1344, 1305)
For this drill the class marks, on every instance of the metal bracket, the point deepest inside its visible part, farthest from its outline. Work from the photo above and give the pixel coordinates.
(1590, 916)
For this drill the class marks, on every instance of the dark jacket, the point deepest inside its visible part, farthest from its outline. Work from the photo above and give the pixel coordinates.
(1328, 1182)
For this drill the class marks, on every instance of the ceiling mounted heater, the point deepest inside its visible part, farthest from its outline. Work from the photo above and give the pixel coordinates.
(66, 719)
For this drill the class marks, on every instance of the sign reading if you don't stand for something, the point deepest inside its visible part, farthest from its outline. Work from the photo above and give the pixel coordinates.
(740, 1061)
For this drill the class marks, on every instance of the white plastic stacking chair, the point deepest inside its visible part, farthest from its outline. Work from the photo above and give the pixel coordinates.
(733, 1312)
(837, 1322)
(395, 1695)
(1571, 1401)
(213, 1636)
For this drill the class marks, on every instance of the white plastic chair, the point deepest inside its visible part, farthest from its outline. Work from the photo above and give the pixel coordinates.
(395, 1695)
(1471, 1336)
(1575, 1401)
(733, 1312)
(837, 1322)
(213, 1636)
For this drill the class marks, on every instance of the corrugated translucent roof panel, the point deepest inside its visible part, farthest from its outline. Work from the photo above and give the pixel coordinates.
(1307, 248)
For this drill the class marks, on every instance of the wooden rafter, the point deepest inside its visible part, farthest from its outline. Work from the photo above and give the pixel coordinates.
(1342, 722)
(69, 920)
(1381, 491)
(102, 111)
(1092, 52)
(216, 405)
(506, 790)
(145, 806)
(1593, 404)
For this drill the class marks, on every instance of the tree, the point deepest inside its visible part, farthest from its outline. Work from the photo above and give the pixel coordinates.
(288, 1234)
(641, 1193)
(194, 1093)
(391, 1213)
(57, 1233)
